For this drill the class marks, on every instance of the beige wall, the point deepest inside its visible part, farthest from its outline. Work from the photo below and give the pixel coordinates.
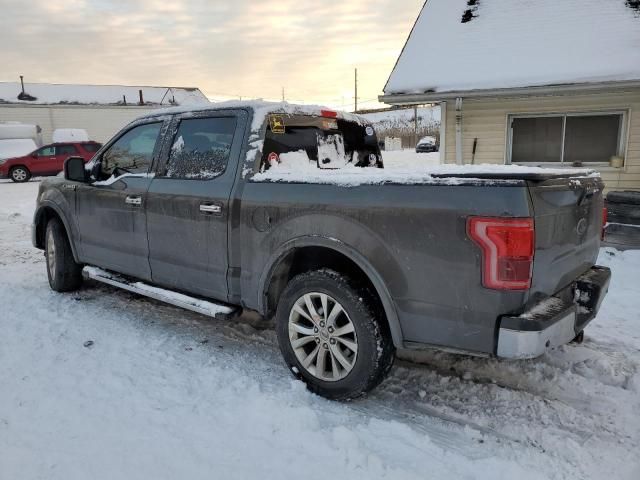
(100, 121)
(486, 120)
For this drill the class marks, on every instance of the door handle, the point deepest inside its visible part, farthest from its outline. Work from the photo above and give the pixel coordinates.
(133, 201)
(211, 209)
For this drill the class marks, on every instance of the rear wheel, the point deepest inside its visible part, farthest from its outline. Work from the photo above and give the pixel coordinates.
(65, 275)
(20, 174)
(332, 335)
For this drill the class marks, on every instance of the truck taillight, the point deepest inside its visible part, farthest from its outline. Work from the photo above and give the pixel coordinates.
(507, 246)
(329, 114)
(605, 220)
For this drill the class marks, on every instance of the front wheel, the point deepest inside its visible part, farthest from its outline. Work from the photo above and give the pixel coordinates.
(332, 335)
(20, 174)
(65, 275)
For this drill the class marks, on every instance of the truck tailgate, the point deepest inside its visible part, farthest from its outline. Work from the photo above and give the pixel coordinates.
(568, 215)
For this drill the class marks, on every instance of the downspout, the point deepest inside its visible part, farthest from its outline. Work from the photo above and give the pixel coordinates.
(459, 158)
(443, 132)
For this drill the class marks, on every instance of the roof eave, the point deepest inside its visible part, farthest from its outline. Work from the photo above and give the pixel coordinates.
(434, 97)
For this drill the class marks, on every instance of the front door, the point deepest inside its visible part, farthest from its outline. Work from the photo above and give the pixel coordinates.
(111, 212)
(45, 162)
(188, 203)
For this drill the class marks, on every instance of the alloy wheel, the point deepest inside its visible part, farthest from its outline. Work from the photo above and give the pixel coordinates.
(323, 337)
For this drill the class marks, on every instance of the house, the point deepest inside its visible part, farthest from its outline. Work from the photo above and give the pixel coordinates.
(540, 82)
(100, 109)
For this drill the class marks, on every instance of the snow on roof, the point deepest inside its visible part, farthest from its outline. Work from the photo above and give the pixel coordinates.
(518, 43)
(261, 109)
(51, 94)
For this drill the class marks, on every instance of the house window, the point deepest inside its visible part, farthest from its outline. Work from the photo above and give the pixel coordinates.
(566, 138)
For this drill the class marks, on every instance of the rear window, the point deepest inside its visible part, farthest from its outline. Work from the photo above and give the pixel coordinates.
(91, 147)
(325, 142)
(66, 150)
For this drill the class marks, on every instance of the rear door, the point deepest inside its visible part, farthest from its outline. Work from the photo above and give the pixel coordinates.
(188, 202)
(62, 153)
(111, 213)
(568, 224)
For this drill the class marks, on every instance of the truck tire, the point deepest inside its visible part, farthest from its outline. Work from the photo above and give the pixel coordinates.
(332, 335)
(20, 174)
(65, 275)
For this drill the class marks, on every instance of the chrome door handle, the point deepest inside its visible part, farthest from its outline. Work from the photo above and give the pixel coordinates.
(133, 201)
(216, 209)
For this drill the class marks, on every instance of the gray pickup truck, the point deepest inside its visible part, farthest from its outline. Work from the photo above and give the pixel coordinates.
(184, 206)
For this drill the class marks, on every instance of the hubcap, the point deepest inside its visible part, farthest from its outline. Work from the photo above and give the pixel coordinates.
(51, 253)
(323, 337)
(19, 174)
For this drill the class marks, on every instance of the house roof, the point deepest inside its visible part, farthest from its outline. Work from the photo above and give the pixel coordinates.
(506, 44)
(52, 94)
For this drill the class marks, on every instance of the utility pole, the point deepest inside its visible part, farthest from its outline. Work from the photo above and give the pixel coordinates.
(356, 97)
(283, 100)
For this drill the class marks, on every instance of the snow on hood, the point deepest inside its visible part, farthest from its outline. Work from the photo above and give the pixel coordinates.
(261, 109)
(518, 43)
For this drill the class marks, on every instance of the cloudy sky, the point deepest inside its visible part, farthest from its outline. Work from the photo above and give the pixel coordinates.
(249, 48)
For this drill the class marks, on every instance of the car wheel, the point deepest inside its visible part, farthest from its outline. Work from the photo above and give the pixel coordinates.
(65, 275)
(20, 174)
(332, 335)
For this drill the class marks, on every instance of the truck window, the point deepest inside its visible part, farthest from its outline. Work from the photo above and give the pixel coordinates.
(66, 150)
(329, 143)
(201, 148)
(133, 151)
(46, 152)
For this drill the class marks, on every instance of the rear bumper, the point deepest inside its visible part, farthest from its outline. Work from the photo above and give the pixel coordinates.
(556, 320)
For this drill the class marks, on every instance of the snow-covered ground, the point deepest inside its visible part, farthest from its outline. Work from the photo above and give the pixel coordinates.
(163, 393)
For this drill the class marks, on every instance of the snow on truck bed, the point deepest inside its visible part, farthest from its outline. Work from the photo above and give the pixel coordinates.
(406, 167)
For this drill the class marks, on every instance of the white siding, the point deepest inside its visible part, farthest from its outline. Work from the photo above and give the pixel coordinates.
(486, 120)
(100, 121)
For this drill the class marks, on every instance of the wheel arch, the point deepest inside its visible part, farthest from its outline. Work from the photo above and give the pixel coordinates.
(46, 212)
(309, 253)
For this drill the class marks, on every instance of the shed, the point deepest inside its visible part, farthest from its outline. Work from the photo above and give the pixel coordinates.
(101, 110)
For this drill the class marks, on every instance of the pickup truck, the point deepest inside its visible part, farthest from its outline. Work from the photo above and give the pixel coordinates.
(288, 211)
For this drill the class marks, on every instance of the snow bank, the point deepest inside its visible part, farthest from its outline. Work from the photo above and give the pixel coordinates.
(518, 43)
(70, 135)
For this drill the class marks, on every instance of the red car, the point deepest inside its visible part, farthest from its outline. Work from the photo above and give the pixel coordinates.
(47, 160)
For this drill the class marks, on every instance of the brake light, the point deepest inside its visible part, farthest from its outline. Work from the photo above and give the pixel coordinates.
(507, 251)
(329, 114)
(605, 221)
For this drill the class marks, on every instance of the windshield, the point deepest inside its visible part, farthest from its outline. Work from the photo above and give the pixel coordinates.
(327, 142)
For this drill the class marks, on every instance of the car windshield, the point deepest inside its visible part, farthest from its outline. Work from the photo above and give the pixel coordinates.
(327, 142)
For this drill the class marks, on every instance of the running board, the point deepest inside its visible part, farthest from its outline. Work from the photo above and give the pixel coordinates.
(167, 296)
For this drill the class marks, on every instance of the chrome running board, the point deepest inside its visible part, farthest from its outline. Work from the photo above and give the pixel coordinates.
(203, 307)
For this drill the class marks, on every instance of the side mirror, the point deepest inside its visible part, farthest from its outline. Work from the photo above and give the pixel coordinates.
(74, 169)
(34, 155)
